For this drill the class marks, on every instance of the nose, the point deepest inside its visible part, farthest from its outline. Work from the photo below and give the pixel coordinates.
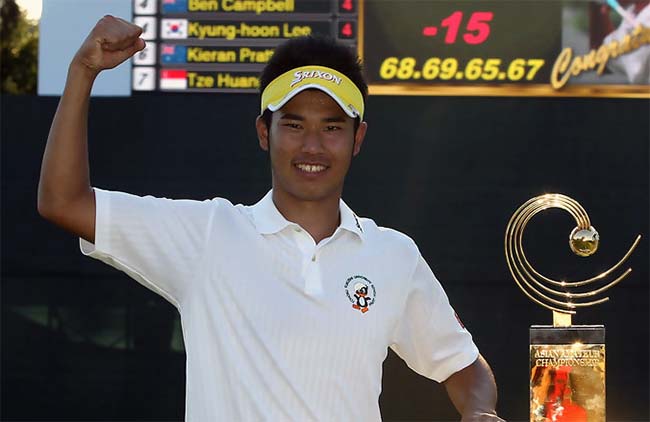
(312, 142)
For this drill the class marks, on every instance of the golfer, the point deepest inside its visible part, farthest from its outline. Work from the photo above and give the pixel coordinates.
(288, 306)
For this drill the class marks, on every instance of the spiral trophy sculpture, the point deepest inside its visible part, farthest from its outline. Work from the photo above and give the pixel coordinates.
(567, 362)
(583, 241)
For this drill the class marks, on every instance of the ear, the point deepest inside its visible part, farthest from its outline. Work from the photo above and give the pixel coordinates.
(262, 133)
(359, 137)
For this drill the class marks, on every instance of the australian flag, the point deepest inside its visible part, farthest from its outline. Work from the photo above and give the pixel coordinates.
(174, 6)
(172, 53)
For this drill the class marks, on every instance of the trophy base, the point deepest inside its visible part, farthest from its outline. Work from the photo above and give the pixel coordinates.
(567, 373)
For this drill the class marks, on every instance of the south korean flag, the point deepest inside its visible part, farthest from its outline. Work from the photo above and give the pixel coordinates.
(174, 29)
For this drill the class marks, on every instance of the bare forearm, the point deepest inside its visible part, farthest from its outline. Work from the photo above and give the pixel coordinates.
(473, 391)
(65, 170)
(64, 193)
(65, 180)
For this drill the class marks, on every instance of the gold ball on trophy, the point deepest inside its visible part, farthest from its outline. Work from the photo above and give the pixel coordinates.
(584, 242)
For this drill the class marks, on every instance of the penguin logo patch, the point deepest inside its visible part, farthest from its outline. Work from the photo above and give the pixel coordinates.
(361, 293)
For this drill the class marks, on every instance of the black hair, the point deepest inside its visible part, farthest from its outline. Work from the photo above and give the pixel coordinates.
(313, 50)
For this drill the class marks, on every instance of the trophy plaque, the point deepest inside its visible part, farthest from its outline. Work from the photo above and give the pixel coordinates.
(567, 362)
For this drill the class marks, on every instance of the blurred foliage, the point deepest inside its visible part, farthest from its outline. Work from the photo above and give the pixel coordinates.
(18, 50)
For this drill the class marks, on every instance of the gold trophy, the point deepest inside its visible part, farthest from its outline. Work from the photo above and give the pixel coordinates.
(567, 362)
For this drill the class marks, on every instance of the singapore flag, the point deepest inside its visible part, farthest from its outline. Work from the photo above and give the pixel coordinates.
(174, 28)
(173, 79)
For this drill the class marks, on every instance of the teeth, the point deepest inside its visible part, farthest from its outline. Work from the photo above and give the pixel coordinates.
(310, 168)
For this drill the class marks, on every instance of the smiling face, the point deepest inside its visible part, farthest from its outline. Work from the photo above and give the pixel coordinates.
(311, 142)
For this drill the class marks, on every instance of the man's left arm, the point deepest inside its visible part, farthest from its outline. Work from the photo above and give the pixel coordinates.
(474, 392)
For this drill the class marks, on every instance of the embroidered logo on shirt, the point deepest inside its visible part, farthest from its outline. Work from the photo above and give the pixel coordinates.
(361, 293)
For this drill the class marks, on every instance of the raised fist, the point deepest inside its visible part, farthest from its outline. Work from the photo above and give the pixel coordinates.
(111, 42)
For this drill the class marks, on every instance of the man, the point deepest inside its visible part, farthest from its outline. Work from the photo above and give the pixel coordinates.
(635, 64)
(288, 306)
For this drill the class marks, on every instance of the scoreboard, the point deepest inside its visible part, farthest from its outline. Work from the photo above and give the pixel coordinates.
(456, 43)
(222, 45)
(408, 47)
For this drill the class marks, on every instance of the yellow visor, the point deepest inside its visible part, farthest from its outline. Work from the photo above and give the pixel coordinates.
(332, 82)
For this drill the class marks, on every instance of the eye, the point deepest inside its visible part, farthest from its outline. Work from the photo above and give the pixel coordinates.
(332, 128)
(292, 125)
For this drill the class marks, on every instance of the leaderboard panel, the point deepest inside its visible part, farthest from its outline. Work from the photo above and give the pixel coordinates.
(409, 47)
(222, 45)
(460, 43)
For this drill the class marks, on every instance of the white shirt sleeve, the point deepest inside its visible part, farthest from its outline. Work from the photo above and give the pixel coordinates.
(429, 336)
(157, 241)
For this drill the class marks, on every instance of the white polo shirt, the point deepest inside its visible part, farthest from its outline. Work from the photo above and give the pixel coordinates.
(275, 326)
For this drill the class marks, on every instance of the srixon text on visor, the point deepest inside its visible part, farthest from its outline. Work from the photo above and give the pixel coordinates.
(314, 74)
